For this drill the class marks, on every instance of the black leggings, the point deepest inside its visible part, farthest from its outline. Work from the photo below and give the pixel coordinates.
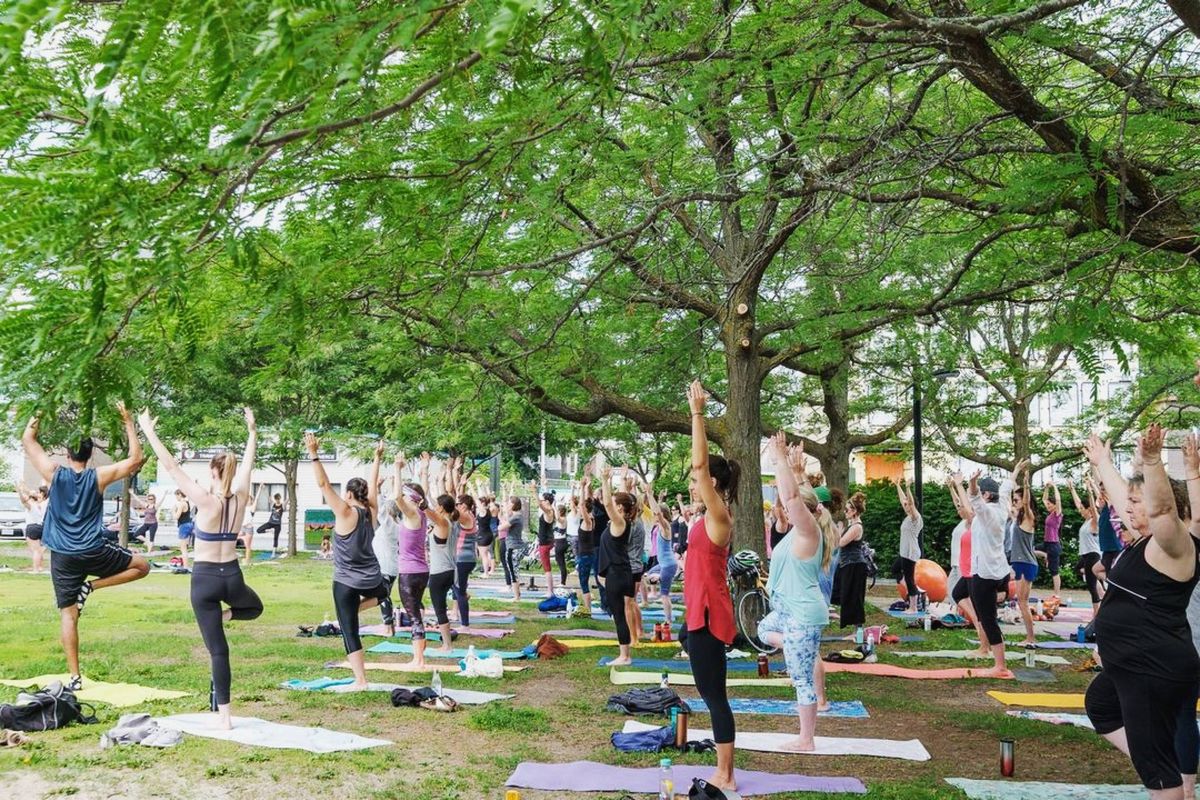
(560, 555)
(388, 611)
(147, 529)
(213, 584)
(617, 586)
(1149, 710)
(509, 572)
(983, 598)
(271, 526)
(707, 655)
(909, 569)
(412, 590)
(462, 572)
(440, 584)
(347, 601)
(1187, 736)
(1086, 562)
(962, 590)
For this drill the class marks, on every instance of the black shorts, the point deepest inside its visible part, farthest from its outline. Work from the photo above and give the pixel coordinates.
(69, 571)
(33, 532)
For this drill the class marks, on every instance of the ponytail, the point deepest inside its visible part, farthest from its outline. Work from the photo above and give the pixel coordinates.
(226, 465)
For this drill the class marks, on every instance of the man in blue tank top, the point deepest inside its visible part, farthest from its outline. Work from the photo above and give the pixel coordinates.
(73, 529)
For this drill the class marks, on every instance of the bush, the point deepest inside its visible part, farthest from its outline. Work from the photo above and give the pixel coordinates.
(881, 527)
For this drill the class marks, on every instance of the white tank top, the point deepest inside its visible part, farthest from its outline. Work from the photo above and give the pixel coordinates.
(35, 514)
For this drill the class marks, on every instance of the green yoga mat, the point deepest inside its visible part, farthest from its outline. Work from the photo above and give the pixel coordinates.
(456, 653)
(634, 678)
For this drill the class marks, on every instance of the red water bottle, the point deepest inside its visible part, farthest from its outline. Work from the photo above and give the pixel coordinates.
(764, 666)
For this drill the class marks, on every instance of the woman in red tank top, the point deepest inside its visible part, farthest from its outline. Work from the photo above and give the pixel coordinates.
(709, 613)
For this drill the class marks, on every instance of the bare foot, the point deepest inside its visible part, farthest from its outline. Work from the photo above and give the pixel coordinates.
(620, 662)
(723, 781)
(391, 631)
(823, 706)
(993, 673)
(357, 687)
(799, 745)
(225, 719)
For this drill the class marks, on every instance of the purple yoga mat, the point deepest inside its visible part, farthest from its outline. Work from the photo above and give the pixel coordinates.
(586, 633)
(588, 776)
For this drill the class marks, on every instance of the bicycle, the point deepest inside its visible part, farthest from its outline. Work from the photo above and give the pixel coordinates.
(748, 588)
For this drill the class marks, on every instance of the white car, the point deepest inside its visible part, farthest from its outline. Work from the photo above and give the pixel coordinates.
(12, 515)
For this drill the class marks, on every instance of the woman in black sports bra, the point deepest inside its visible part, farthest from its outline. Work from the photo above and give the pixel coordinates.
(216, 574)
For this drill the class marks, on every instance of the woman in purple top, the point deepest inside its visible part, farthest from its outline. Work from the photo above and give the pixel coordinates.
(1051, 546)
(413, 564)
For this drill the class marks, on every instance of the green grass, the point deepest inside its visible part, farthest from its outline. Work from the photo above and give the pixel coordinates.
(145, 633)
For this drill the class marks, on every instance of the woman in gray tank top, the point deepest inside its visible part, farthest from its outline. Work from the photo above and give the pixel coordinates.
(358, 583)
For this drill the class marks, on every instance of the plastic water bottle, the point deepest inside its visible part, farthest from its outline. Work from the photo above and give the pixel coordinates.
(665, 683)
(666, 780)
(570, 605)
(1030, 657)
(469, 666)
(1081, 634)
(858, 635)
(436, 683)
(1041, 608)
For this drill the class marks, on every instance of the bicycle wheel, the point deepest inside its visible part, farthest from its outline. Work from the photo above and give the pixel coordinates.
(750, 608)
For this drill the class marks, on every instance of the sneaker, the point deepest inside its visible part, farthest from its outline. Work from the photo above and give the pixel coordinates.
(76, 683)
(82, 597)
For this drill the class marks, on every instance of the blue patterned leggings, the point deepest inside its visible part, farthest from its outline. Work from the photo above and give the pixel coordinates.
(801, 649)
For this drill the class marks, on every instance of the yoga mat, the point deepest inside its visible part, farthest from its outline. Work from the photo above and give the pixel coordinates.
(585, 632)
(1040, 790)
(502, 619)
(457, 653)
(1071, 645)
(1026, 675)
(612, 643)
(1038, 700)
(849, 709)
(343, 685)
(120, 695)
(486, 633)
(685, 679)
(682, 663)
(588, 776)
(970, 654)
(1078, 720)
(850, 638)
(893, 671)
(910, 750)
(402, 666)
(260, 733)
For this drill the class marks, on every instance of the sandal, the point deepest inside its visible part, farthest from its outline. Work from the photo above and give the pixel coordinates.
(703, 790)
(12, 738)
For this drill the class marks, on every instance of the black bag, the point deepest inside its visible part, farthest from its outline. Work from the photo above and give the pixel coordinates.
(644, 701)
(45, 710)
(408, 697)
(869, 557)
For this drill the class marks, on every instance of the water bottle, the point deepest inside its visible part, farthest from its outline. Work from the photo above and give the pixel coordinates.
(1081, 634)
(928, 623)
(570, 605)
(665, 683)
(666, 780)
(1030, 657)
(858, 635)
(436, 683)
(1041, 608)
(471, 658)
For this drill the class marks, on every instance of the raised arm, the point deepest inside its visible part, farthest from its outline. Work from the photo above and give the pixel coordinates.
(1191, 474)
(345, 519)
(1169, 531)
(200, 497)
(614, 514)
(111, 473)
(718, 521)
(373, 484)
(1099, 453)
(408, 509)
(804, 524)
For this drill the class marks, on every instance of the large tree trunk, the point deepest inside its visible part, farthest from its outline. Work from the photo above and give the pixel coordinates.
(123, 513)
(1020, 429)
(740, 436)
(835, 461)
(290, 468)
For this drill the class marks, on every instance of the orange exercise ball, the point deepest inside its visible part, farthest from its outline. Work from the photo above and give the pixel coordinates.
(931, 579)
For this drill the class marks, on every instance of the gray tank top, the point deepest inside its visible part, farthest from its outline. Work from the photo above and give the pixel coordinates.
(1022, 546)
(441, 554)
(354, 562)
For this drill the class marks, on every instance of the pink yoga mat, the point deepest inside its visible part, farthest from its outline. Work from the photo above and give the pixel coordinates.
(893, 671)
(588, 776)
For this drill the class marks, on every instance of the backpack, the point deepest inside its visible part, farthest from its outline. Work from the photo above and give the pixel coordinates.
(868, 554)
(644, 741)
(645, 701)
(45, 710)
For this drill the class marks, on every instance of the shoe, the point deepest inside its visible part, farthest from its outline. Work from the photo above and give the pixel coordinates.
(82, 597)
(76, 683)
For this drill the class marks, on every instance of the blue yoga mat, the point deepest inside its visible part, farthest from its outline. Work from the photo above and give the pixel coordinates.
(457, 653)
(683, 665)
(318, 684)
(850, 709)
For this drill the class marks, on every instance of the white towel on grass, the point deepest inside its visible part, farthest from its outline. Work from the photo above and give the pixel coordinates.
(260, 733)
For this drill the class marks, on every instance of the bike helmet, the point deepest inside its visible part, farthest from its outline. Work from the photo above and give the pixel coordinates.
(747, 558)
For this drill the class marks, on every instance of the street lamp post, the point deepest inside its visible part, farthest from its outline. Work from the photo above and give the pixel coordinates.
(941, 375)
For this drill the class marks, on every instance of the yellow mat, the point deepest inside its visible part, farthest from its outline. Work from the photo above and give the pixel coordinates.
(120, 695)
(404, 666)
(632, 677)
(613, 643)
(1038, 699)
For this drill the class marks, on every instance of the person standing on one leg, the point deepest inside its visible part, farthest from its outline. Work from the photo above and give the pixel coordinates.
(184, 524)
(545, 535)
(668, 564)
(614, 560)
(72, 529)
(799, 611)
(274, 522)
(412, 562)
(216, 575)
(960, 547)
(585, 546)
(708, 606)
(910, 542)
(1051, 550)
(35, 516)
(989, 566)
(148, 505)
(561, 542)
(1024, 562)
(358, 583)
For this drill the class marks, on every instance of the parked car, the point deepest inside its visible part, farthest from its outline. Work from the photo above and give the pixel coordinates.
(12, 515)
